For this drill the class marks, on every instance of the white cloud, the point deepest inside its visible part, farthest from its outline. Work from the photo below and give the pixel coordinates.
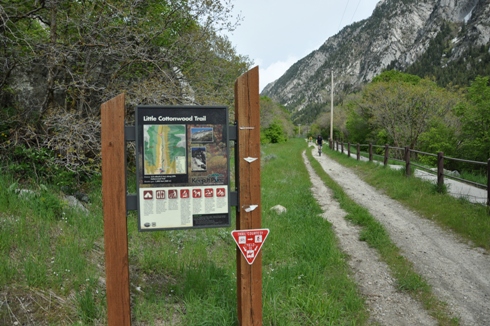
(274, 71)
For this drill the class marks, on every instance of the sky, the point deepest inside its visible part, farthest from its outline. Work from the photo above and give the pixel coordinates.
(275, 34)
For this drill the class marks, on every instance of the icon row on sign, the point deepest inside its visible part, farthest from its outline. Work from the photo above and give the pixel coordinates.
(184, 193)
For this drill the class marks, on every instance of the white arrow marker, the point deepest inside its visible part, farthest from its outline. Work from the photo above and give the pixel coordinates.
(250, 159)
(250, 208)
(247, 128)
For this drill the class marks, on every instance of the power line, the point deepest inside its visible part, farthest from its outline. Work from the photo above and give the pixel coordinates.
(345, 9)
(352, 19)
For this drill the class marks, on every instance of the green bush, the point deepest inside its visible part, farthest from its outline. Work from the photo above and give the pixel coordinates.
(273, 134)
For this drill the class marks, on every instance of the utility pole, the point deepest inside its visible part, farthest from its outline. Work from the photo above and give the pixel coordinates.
(331, 110)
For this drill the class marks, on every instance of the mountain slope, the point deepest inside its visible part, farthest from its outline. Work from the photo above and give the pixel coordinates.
(397, 35)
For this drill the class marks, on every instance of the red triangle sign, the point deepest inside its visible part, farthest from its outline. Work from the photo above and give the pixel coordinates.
(250, 242)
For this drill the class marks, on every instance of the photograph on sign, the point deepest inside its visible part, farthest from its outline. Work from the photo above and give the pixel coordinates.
(182, 166)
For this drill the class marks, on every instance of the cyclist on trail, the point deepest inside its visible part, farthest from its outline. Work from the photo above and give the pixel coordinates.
(319, 140)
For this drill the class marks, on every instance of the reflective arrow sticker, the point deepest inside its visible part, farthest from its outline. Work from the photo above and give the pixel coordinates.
(250, 208)
(247, 128)
(250, 159)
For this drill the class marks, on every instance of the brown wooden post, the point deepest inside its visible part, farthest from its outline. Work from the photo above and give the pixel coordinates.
(440, 169)
(370, 152)
(358, 151)
(247, 113)
(114, 206)
(407, 161)
(348, 149)
(387, 154)
(342, 147)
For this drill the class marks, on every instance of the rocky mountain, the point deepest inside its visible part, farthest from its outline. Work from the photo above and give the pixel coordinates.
(446, 39)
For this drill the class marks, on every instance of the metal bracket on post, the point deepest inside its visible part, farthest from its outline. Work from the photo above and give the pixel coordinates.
(129, 133)
(131, 199)
(234, 198)
(131, 202)
(232, 132)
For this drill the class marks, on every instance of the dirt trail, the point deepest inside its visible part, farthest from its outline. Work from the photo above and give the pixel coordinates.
(459, 274)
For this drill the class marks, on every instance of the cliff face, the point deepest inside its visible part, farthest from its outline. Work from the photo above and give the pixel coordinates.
(397, 35)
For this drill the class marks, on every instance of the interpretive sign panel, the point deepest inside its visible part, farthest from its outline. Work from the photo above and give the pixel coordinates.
(182, 166)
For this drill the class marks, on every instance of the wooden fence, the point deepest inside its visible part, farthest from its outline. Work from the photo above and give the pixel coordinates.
(406, 158)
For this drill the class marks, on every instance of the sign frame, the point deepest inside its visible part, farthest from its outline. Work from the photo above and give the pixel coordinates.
(176, 187)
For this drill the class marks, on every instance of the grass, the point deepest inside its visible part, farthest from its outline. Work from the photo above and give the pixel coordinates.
(52, 257)
(468, 220)
(52, 260)
(376, 236)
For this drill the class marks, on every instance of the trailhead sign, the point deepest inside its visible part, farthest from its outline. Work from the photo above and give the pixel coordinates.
(182, 164)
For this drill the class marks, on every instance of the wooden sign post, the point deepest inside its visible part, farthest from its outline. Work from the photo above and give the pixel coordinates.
(248, 214)
(249, 276)
(114, 205)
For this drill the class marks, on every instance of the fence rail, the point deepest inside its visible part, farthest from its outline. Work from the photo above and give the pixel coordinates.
(407, 154)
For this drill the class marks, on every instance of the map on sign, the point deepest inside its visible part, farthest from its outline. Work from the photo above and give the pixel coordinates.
(164, 149)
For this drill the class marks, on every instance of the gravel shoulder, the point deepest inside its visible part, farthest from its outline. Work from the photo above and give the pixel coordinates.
(458, 273)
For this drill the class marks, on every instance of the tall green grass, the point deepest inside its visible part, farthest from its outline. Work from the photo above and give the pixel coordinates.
(301, 259)
(45, 247)
(52, 256)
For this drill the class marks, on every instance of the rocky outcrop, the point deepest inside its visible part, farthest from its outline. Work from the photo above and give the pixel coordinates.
(397, 34)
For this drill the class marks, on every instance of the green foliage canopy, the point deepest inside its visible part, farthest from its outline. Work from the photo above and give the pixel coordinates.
(475, 120)
(402, 105)
(59, 60)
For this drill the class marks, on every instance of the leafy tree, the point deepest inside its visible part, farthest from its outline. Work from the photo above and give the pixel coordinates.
(403, 106)
(475, 120)
(60, 59)
(439, 137)
(271, 112)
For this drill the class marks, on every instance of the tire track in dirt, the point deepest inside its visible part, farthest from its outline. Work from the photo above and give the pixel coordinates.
(458, 273)
(386, 305)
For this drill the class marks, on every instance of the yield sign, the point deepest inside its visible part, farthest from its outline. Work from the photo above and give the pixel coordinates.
(250, 242)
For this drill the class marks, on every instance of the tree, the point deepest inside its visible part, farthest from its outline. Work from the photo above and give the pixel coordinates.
(403, 106)
(475, 120)
(271, 112)
(60, 59)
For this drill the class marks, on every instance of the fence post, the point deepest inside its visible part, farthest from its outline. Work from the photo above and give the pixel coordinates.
(387, 153)
(407, 161)
(348, 149)
(440, 169)
(342, 147)
(370, 152)
(488, 182)
(358, 151)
